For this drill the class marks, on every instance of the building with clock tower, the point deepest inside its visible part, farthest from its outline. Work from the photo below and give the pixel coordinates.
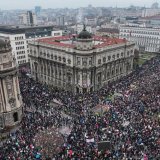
(10, 97)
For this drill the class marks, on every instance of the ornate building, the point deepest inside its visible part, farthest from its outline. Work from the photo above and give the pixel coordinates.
(10, 99)
(82, 63)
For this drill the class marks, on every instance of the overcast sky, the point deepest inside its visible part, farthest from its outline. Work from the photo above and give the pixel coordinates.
(29, 4)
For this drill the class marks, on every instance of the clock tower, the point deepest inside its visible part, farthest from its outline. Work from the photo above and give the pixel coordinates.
(10, 97)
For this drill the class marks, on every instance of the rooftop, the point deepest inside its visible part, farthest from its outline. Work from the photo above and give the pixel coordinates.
(109, 30)
(155, 17)
(24, 29)
(69, 42)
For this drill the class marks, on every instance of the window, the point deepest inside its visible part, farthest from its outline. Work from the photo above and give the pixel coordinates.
(15, 117)
(69, 79)
(78, 61)
(99, 78)
(64, 59)
(108, 74)
(90, 61)
(84, 61)
(116, 70)
(69, 61)
(55, 57)
(59, 58)
(113, 56)
(99, 61)
(120, 69)
(109, 58)
(104, 59)
(117, 55)
(112, 72)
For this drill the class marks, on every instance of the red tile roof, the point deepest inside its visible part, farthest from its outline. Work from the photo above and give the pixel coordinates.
(58, 41)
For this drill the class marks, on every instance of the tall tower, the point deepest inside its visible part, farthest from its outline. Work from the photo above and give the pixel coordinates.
(28, 19)
(10, 99)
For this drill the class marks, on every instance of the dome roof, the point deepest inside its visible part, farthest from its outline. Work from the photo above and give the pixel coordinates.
(84, 34)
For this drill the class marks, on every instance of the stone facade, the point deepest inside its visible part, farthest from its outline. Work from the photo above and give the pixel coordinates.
(10, 98)
(80, 64)
(146, 39)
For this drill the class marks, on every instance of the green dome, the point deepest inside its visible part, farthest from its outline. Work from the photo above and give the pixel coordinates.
(84, 34)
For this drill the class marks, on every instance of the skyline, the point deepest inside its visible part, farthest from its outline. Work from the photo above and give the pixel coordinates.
(21, 4)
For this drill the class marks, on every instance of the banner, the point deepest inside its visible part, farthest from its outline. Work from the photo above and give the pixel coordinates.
(90, 140)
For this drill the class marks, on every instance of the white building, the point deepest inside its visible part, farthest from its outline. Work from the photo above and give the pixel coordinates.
(90, 21)
(60, 21)
(19, 38)
(28, 19)
(150, 12)
(19, 47)
(146, 39)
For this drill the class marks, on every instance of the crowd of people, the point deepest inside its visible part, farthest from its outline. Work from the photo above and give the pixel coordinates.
(130, 125)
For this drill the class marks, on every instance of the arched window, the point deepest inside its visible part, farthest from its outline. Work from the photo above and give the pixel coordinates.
(15, 117)
(99, 61)
(64, 59)
(69, 61)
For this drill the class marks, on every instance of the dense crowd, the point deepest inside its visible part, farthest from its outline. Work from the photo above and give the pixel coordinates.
(131, 124)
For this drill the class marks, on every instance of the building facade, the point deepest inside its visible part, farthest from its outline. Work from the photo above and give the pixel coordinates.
(146, 39)
(79, 27)
(19, 37)
(147, 12)
(90, 21)
(80, 63)
(10, 98)
(60, 21)
(110, 32)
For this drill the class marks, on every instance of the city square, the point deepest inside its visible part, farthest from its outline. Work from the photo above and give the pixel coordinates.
(79, 82)
(139, 107)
